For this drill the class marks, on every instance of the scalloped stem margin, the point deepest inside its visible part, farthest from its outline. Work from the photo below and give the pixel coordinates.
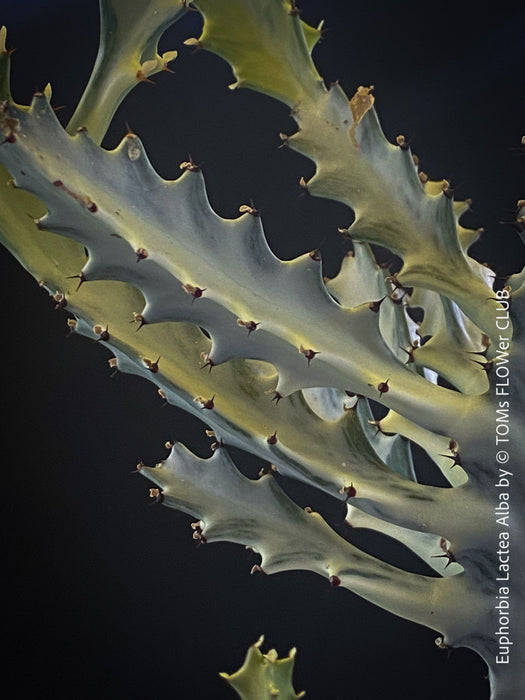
(259, 515)
(355, 164)
(89, 191)
(127, 55)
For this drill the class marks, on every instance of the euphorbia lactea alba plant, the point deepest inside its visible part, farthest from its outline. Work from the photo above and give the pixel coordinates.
(329, 381)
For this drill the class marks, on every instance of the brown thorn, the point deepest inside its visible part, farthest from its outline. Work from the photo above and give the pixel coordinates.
(139, 468)
(81, 277)
(277, 397)
(207, 404)
(376, 305)
(10, 138)
(209, 363)
(139, 318)
(308, 353)
(103, 335)
(383, 387)
(294, 10)
(377, 425)
(157, 494)
(448, 555)
(250, 326)
(152, 366)
(250, 209)
(409, 352)
(189, 165)
(485, 366)
(455, 458)
(349, 491)
(272, 439)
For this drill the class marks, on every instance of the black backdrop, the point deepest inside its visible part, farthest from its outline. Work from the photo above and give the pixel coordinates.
(106, 596)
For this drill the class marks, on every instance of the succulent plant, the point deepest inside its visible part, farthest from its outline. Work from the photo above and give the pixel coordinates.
(413, 345)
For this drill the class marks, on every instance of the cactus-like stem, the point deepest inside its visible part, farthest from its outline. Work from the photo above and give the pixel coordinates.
(354, 162)
(127, 55)
(83, 202)
(264, 676)
(261, 516)
(271, 356)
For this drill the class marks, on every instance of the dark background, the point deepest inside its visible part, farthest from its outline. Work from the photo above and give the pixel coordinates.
(106, 596)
